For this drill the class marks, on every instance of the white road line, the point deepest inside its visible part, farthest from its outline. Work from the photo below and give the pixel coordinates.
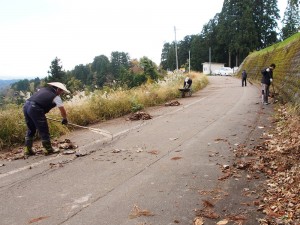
(25, 167)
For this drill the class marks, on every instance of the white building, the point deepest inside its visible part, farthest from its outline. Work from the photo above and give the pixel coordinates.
(208, 68)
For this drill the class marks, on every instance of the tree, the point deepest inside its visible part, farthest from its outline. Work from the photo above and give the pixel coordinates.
(168, 57)
(83, 73)
(119, 61)
(265, 16)
(184, 47)
(291, 19)
(21, 85)
(149, 67)
(197, 48)
(56, 74)
(75, 85)
(209, 37)
(101, 69)
(165, 56)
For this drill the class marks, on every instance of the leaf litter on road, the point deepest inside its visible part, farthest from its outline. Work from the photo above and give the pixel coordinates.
(138, 212)
(278, 157)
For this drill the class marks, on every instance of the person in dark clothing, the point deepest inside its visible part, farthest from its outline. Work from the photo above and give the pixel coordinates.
(244, 78)
(34, 111)
(266, 80)
(187, 83)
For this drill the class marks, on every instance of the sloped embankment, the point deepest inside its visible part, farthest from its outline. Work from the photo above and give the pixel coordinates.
(279, 158)
(286, 56)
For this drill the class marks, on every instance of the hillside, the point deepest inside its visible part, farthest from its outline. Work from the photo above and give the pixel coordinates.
(278, 157)
(5, 83)
(286, 56)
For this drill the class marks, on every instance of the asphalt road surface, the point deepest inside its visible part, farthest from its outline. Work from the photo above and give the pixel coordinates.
(167, 170)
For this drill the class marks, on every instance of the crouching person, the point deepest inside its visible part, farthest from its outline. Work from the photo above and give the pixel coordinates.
(187, 83)
(34, 111)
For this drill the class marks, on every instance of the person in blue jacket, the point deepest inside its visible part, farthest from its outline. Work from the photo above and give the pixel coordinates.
(266, 80)
(244, 78)
(34, 111)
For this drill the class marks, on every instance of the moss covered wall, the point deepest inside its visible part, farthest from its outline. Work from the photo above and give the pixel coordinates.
(286, 56)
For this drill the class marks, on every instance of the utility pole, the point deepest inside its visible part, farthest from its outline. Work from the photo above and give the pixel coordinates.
(189, 61)
(176, 50)
(209, 56)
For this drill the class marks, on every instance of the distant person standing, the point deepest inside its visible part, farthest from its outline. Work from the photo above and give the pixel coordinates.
(266, 80)
(244, 78)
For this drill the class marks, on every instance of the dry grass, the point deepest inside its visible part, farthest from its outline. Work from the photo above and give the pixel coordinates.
(98, 106)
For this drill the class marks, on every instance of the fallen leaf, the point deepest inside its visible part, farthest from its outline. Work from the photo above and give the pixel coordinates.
(137, 212)
(176, 158)
(198, 221)
(153, 152)
(38, 219)
(222, 222)
(173, 139)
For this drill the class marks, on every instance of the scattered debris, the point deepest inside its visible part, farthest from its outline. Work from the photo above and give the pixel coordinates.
(173, 139)
(116, 151)
(59, 164)
(17, 154)
(137, 212)
(153, 152)
(198, 221)
(66, 144)
(172, 103)
(38, 219)
(139, 150)
(68, 152)
(81, 153)
(278, 157)
(222, 222)
(176, 158)
(140, 115)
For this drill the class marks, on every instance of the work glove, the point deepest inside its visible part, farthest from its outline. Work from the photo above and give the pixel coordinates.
(271, 80)
(64, 121)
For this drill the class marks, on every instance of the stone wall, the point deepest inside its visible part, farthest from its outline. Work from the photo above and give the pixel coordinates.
(286, 56)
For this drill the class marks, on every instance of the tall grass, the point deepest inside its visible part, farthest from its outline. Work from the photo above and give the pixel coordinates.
(98, 106)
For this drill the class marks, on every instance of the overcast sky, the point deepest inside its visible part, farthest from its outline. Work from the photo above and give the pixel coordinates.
(34, 32)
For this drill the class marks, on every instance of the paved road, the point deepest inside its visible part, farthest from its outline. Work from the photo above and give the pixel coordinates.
(155, 172)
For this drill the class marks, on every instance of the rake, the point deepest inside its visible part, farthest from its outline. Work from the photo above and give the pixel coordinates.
(95, 130)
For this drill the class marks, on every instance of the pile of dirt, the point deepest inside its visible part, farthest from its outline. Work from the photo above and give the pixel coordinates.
(172, 103)
(66, 147)
(140, 115)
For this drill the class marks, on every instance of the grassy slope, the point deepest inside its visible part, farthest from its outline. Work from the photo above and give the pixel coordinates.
(286, 56)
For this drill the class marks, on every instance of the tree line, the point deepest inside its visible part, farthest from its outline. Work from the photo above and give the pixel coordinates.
(242, 26)
(118, 71)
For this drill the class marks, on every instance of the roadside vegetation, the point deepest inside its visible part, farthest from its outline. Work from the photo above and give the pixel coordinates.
(89, 108)
(279, 155)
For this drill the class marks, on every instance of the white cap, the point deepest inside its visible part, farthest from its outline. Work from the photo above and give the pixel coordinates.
(59, 85)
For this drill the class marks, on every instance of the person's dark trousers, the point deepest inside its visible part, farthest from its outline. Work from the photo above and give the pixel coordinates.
(265, 92)
(244, 82)
(35, 120)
